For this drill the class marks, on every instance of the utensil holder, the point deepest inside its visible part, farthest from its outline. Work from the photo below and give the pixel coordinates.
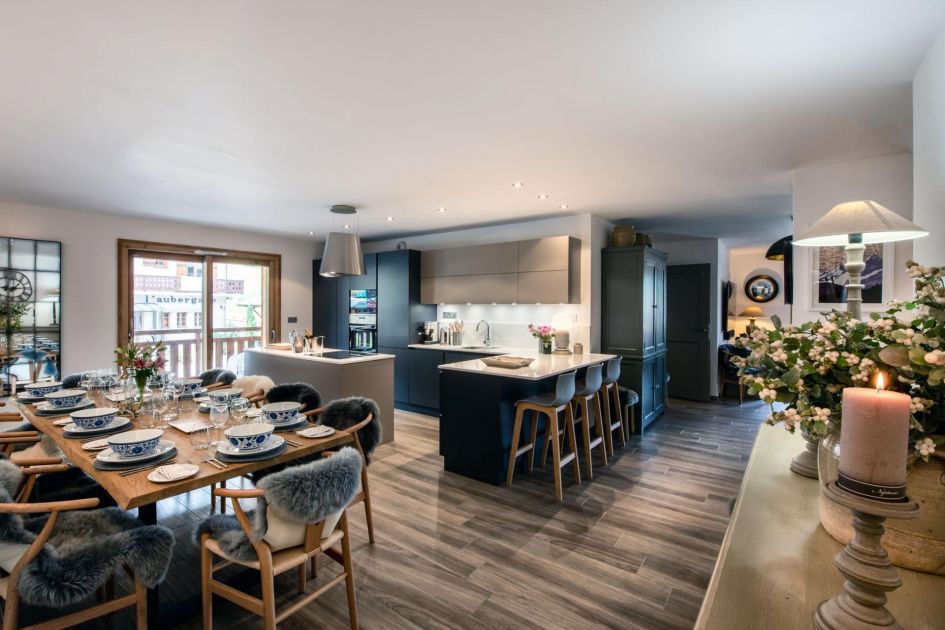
(456, 338)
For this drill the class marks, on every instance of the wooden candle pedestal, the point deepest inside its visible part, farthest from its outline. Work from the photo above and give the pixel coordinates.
(865, 565)
(805, 462)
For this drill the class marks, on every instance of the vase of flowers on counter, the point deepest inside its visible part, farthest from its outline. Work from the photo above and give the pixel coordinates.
(801, 371)
(140, 363)
(544, 334)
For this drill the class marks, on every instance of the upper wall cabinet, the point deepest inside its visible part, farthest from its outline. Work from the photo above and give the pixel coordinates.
(545, 270)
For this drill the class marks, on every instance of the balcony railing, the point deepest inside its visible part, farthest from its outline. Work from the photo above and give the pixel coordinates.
(185, 354)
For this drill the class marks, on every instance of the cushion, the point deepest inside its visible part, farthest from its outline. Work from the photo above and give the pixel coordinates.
(10, 554)
(283, 531)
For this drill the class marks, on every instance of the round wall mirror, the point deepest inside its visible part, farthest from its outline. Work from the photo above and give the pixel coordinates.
(761, 288)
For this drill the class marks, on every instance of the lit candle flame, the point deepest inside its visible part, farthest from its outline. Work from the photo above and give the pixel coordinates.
(880, 382)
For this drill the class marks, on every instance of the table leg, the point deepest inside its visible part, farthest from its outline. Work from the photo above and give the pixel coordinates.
(148, 515)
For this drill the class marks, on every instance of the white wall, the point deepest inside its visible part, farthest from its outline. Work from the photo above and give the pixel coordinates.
(712, 252)
(886, 180)
(745, 262)
(90, 276)
(928, 154)
(509, 323)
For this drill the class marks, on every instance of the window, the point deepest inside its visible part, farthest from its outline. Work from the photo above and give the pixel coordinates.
(230, 299)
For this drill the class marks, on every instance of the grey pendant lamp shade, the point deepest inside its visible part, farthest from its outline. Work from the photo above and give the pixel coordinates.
(876, 223)
(342, 255)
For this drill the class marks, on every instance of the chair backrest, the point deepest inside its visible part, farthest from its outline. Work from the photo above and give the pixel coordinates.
(295, 392)
(564, 388)
(613, 370)
(593, 379)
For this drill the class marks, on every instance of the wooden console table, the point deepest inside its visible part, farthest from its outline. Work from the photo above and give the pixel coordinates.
(776, 562)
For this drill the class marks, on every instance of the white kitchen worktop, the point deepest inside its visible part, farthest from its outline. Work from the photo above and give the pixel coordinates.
(290, 354)
(473, 350)
(543, 366)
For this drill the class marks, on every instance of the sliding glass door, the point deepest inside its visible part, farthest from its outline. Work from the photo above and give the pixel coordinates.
(205, 306)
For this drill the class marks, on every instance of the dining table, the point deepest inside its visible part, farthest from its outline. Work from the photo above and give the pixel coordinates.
(137, 491)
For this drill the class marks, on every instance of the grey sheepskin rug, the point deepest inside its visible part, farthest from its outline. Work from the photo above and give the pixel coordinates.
(347, 412)
(296, 392)
(84, 550)
(71, 381)
(309, 492)
(217, 375)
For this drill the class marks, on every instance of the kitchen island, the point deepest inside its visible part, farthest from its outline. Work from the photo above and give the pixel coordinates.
(334, 373)
(477, 409)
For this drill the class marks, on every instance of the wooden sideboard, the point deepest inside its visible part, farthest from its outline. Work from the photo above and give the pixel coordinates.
(776, 564)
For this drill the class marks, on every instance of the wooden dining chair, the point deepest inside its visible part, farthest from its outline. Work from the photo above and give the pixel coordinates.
(11, 439)
(364, 494)
(272, 563)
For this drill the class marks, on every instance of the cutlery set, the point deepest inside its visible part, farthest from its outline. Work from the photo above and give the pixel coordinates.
(138, 469)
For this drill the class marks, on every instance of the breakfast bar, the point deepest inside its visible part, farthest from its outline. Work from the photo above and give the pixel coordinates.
(477, 408)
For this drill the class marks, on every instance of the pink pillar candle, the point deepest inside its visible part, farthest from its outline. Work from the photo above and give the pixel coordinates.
(874, 443)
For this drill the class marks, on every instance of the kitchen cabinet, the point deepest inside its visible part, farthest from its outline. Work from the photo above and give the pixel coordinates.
(495, 258)
(633, 322)
(543, 287)
(330, 308)
(479, 289)
(369, 279)
(399, 311)
(424, 378)
(554, 253)
(401, 372)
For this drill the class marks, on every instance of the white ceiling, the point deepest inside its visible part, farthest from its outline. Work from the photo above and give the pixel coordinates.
(263, 114)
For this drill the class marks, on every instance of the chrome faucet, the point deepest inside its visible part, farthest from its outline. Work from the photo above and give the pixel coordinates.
(487, 341)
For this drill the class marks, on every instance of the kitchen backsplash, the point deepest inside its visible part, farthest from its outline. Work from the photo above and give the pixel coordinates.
(509, 324)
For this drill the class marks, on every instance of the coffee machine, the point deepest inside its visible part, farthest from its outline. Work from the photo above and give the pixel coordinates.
(428, 332)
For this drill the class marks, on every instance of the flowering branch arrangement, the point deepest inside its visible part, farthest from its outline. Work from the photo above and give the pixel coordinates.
(141, 361)
(543, 331)
(806, 367)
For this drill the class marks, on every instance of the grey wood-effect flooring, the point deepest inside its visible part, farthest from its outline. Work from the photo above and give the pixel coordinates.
(634, 548)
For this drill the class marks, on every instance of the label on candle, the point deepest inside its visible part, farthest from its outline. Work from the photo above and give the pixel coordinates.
(872, 491)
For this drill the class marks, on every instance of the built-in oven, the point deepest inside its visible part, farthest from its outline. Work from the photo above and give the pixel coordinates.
(362, 320)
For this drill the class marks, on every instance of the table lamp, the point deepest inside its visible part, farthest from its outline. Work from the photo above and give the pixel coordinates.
(562, 333)
(752, 313)
(856, 224)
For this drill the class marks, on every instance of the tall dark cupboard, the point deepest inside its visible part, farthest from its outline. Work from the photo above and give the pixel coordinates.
(633, 323)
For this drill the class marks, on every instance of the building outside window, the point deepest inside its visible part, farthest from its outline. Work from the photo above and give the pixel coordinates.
(182, 320)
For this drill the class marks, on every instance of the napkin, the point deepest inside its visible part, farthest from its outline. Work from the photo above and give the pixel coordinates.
(316, 431)
(173, 472)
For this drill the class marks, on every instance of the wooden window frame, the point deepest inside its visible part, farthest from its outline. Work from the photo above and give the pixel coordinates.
(128, 248)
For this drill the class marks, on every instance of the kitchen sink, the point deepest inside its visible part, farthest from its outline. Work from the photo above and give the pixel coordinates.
(474, 347)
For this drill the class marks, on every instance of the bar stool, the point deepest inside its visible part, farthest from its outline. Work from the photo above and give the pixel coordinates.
(550, 404)
(629, 408)
(611, 397)
(588, 391)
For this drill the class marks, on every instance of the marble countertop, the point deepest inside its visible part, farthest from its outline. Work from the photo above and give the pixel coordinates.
(471, 349)
(543, 366)
(303, 356)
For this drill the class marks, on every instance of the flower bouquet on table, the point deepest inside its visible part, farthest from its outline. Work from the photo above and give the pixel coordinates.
(806, 367)
(141, 362)
(543, 333)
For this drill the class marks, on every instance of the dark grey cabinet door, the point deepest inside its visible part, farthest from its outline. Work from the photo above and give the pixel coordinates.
(325, 307)
(393, 299)
(369, 279)
(649, 306)
(659, 307)
(620, 303)
(424, 380)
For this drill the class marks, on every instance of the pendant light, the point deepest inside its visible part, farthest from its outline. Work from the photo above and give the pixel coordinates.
(342, 256)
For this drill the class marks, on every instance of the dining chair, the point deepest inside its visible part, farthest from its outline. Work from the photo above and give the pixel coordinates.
(364, 492)
(284, 540)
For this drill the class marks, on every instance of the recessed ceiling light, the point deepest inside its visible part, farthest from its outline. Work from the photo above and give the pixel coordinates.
(493, 304)
(518, 185)
(346, 226)
(563, 206)
(543, 196)
(468, 303)
(441, 209)
(514, 303)
(311, 233)
(389, 219)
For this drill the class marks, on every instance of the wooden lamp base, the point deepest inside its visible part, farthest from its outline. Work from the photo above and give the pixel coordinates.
(865, 565)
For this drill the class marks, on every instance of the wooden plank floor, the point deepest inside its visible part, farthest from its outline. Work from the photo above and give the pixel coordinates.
(634, 548)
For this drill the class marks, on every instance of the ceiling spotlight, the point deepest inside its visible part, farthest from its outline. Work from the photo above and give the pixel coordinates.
(389, 219)
(311, 233)
(441, 209)
(543, 196)
(346, 226)
(518, 185)
(563, 206)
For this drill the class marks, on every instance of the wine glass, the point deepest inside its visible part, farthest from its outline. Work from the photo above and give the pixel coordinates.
(160, 403)
(172, 394)
(218, 417)
(238, 409)
(86, 380)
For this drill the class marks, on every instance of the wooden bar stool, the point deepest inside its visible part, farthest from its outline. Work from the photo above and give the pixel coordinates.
(588, 391)
(629, 408)
(550, 405)
(613, 414)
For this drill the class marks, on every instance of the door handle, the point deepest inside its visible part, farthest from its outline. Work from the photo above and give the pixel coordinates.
(272, 335)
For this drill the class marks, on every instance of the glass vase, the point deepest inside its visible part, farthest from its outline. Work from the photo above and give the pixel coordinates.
(544, 346)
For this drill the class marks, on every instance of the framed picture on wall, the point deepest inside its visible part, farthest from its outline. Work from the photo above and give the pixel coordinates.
(829, 277)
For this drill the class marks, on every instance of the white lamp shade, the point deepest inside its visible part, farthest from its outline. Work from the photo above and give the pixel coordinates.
(561, 321)
(876, 223)
(342, 256)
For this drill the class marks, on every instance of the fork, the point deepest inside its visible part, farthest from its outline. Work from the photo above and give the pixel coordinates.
(291, 443)
(132, 471)
(216, 462)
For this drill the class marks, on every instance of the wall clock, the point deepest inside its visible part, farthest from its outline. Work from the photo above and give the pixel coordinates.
(761, 288)
(15, 286)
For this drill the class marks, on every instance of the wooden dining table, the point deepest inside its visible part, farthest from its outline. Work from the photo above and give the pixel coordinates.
(136, 491)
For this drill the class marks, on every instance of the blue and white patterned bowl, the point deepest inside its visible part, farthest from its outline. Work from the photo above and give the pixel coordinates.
(65, 398)
(38, 390)
(95, 418)
(188, 385)
(246, 437)
(225, 394)
(134, 443)
(281, 412)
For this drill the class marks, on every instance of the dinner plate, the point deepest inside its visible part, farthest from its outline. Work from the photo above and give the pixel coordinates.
(274, 442)
(254, 455)
(23, 397)
(44, 409)
(167, 455)
(74, 430)
(156, 476)
(108, 456)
